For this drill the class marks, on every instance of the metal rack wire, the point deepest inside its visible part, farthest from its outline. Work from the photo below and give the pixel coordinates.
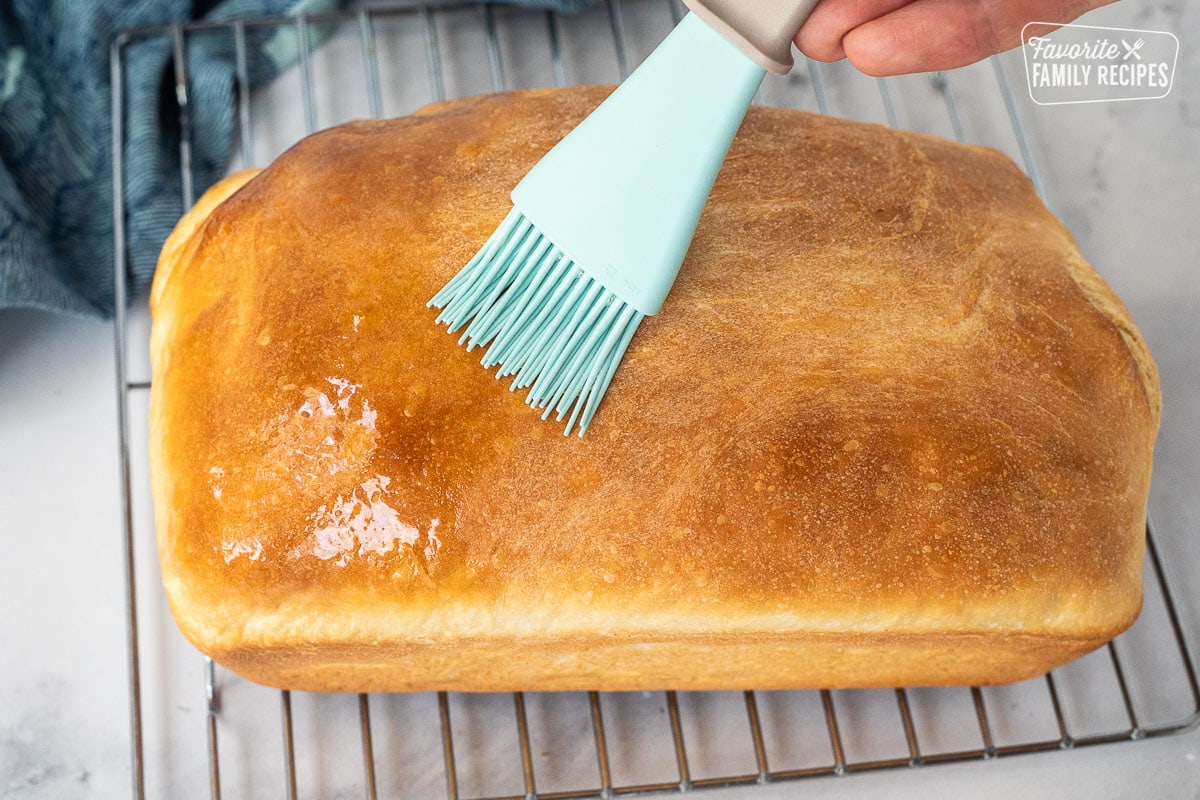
(1142, 711)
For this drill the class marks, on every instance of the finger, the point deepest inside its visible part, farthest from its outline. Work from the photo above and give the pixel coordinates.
(930, 35)
(821, 35)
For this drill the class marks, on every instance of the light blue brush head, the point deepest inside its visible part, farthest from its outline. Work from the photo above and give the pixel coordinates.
(601, 225)
(542, 318)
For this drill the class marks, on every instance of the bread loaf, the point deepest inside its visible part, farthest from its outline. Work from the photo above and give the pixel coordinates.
(889, 429)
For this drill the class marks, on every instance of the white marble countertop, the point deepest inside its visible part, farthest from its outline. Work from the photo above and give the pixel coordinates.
(1125, 177)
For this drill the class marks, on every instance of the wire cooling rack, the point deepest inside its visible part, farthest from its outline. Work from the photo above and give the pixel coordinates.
(197, 729)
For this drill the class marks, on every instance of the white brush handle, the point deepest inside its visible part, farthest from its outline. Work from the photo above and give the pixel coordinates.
(762, 29)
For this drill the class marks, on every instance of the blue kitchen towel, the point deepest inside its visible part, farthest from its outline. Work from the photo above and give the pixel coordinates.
(56, 198)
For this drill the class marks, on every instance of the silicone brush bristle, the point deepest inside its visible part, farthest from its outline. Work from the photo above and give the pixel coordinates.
(541, 318)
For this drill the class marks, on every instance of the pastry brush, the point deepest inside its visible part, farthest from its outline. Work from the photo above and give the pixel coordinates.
(600, 226)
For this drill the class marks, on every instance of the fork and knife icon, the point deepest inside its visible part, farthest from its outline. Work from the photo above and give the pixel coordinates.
(1132, 49)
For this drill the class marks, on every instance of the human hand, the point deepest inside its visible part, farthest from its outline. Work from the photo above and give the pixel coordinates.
(893, 37)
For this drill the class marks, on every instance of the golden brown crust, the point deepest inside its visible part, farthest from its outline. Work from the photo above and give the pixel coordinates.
(889, 427)
(181, 245)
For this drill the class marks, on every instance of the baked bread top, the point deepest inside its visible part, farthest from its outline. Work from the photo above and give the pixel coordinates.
(886, 393)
